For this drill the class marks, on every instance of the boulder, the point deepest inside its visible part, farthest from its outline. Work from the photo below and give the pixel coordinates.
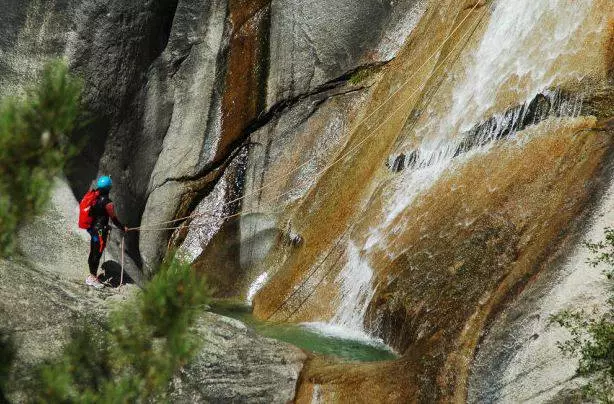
(236, 365)
(38, 307)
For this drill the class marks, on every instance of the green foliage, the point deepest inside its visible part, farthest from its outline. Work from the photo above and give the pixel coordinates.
(7, 356)
(592, 335)
(35, 145)
(359, 76)
(603, 252)
(134, 355)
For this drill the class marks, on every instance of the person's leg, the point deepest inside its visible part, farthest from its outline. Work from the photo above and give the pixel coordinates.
(95, 255)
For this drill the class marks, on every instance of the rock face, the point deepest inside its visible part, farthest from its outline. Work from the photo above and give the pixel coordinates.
(174, 86)
(39, 307)
(235, 364)
(313, 42)
(31, 32)
(518, 359)
(42, 290)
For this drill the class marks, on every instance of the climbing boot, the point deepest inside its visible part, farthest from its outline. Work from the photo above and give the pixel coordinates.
(93, 281)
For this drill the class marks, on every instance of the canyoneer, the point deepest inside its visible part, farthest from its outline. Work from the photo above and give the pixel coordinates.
(95, 210)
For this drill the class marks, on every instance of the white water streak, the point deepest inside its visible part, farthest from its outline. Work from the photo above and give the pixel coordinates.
(523, 43)
(256, 286)
(355, 291)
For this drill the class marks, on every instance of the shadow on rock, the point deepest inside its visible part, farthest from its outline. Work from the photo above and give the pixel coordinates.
(112, 274)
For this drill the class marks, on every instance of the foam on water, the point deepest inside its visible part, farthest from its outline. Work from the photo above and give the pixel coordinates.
(345, 333)
(356, 290)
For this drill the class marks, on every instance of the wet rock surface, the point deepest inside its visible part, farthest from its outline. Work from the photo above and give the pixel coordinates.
(313, 42)
(447, 246)
(518, 358)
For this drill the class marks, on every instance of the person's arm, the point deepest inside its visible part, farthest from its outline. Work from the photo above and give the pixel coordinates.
(110, 208)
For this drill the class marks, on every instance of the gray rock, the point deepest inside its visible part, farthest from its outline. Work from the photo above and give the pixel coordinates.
(53, 241)
(182, 106)
(42, 294)
(313, 41)
(235, 364)
(111, 45)
(31, 32)
(238, 366)
(155, 74)
(518, 360)
(38, 308)
(161, 206)
(190, 141)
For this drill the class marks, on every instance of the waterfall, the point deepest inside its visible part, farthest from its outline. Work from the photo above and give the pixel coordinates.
(498, 91)
(256, 286)
(355, 291)
(506, 83)
(519, 56)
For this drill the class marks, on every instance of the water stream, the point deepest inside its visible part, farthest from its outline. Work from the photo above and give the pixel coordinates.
(500, 87)
(342, 345)
(504, 83)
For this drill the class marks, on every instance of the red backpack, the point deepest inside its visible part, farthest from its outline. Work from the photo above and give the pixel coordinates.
(89, 200)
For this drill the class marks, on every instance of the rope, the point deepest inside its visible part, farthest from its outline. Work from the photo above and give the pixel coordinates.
(308, 161)
(121, 276)
(350, 151)
(304, 282)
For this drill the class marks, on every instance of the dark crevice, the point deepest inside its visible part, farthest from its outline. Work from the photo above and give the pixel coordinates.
(265, 118)
(244, 140)
(107, 107)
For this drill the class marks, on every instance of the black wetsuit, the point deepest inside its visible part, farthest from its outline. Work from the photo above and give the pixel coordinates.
(101, 212)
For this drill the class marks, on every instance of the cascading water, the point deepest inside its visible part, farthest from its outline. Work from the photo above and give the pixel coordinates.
(500, 159)
(356, 289)
(256, 286)
(507, 77)
(511, 66)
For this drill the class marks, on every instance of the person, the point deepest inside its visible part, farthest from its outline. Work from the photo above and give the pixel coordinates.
(101, 211)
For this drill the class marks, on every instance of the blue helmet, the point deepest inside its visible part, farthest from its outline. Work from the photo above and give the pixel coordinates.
(104, 182)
